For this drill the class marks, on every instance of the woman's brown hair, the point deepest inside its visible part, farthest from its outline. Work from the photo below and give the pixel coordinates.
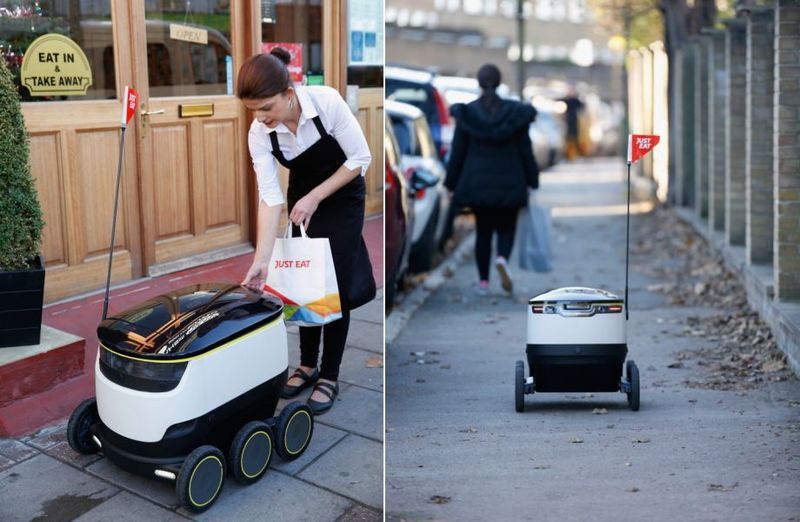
(264, 75)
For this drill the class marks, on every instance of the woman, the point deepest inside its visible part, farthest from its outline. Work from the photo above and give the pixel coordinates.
(311, 132)
(491, 164)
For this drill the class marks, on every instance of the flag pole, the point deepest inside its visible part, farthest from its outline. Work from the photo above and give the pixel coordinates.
(130, 100)
(114, 221)
(627, 238)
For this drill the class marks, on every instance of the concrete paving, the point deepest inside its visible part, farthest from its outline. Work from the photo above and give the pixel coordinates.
(339, 477)
(457, 450)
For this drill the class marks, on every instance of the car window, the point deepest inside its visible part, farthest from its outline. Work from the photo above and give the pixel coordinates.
(412, 94)
(405, 138)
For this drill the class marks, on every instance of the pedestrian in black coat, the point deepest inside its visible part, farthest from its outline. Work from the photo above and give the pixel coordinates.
(491, 168)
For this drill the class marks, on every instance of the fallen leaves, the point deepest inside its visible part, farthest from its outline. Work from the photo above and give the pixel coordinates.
(439, 499)
(641, 440)
(722, 487)
(374, 362)
(599, 411)
(741, 352)
(576, 440)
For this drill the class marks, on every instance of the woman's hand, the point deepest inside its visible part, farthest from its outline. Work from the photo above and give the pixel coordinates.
(257, 276)
(304, 209)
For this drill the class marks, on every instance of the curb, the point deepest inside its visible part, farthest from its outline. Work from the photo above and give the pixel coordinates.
(402, 313)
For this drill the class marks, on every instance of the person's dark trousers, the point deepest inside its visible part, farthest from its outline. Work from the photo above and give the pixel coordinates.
(334, 337)
(488, 221)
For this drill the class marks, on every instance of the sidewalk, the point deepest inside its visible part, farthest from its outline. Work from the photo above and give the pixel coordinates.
(338, 478)
(718, 433)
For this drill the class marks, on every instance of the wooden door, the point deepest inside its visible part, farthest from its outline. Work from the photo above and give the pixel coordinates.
(74, 143)
(192, 156)
(370, 116)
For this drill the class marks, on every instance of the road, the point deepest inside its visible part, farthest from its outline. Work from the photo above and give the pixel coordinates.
(457, 450)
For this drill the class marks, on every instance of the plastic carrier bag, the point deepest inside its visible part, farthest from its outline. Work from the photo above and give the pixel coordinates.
(534, 238)
(302, 274)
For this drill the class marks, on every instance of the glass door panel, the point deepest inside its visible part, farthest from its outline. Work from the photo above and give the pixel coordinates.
(88, 24)
(188, 48)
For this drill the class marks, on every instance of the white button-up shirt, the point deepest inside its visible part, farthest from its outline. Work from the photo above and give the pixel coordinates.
(337, 119)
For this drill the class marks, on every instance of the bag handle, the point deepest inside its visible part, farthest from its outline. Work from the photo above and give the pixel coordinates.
(288, 233)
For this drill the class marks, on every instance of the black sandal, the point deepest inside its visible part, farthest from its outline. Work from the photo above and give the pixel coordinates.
(291, 391)
(327, 389)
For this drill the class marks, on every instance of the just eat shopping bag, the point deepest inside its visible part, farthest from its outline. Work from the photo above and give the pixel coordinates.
(302, 274)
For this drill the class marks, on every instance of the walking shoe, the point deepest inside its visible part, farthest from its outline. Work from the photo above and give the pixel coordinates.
(482, 289)
(505, 279)
(289, 391)
(326, 389)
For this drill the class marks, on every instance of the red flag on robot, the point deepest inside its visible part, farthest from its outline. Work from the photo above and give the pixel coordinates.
(639, 145)
(130, 100)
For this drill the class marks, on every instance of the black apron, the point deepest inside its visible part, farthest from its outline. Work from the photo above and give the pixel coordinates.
(339, 217)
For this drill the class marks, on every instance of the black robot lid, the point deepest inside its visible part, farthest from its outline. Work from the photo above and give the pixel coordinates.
(188, 321)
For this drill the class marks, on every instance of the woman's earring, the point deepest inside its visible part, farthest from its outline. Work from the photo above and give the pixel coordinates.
(291, 104)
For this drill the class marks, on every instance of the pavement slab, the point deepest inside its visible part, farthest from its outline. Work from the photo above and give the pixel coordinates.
(357, 410)
(457, 450)
(363, 368)
(324, 439)
(372, 311)
(125, 507)
(42, 488)
(15, 450)
(366, 335)
(6, 463)
(275, 497)
(361, 514)
(64, 453)
(157, 491)
(334, 471)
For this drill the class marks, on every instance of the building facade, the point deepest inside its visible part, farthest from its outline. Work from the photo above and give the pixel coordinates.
(188, 193)
(454, 37)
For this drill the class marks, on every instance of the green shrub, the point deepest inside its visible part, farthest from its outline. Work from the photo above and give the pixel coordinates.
(20, 214)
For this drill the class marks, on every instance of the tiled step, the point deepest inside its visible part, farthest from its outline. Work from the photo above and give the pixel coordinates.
(37, 382)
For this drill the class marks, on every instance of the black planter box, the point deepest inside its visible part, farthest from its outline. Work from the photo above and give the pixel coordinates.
(21, 296)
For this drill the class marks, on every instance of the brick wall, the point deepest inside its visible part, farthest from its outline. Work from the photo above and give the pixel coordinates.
(786, 149)
(759, 122)
(735, 101)
(688, 142)
(701, 126)
(717, 92)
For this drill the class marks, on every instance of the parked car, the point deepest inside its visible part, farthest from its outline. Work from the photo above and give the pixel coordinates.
(550, 128)
(424, 170)
(416, 88)
(398, 216)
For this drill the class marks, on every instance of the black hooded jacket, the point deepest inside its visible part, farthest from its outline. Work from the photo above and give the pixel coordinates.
(491, 159)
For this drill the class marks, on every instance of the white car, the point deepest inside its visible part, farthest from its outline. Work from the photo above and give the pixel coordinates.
(425, 173)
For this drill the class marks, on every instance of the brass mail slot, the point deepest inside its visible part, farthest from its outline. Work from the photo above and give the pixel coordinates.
(195, 109)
